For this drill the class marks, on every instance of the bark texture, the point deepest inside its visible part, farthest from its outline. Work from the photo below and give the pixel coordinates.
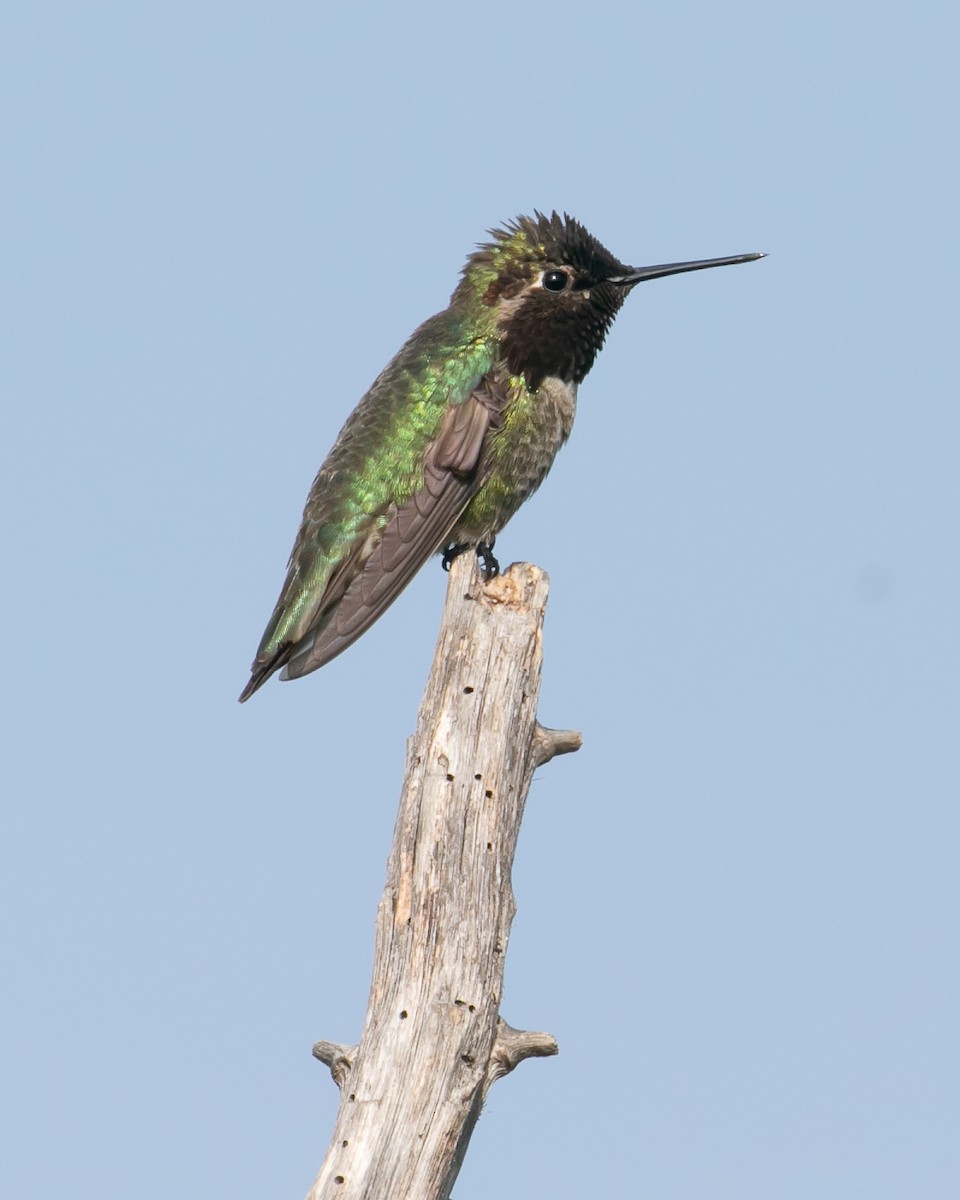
(433, 1040)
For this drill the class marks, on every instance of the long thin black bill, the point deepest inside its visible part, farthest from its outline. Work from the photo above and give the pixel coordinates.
(638, 274)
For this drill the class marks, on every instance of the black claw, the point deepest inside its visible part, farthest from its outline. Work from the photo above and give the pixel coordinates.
(451, 552)
(489, 566)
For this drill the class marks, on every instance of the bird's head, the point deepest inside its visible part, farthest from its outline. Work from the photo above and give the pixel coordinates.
(554, 290)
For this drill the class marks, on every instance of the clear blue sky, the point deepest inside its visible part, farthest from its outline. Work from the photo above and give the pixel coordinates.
(738, 904)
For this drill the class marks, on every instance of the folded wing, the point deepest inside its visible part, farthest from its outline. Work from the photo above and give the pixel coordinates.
(367, 582)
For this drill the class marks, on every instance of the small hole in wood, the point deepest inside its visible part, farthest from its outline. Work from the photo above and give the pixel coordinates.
(467, 1058)
(459, 1003)
(489, 845)
(339, 1179)
(353, 1095)
(345, 1143)
(478, 777)
(450, 778)
(403, 1014)
(471, 1008)
(489, 794)
(468, 691)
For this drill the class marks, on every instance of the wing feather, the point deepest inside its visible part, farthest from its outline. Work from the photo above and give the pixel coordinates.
(416, 529)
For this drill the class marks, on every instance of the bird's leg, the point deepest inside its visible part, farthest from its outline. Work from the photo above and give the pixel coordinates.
(451, 552)
(489, 566)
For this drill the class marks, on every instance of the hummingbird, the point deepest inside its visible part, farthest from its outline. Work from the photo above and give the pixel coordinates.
(458, 429)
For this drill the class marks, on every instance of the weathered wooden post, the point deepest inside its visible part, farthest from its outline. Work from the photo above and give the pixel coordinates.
(433, 1040)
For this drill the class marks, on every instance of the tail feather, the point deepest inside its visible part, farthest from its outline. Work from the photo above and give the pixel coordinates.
(261, 672)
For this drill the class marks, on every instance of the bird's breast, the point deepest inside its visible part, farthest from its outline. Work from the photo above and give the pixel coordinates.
(519, 454)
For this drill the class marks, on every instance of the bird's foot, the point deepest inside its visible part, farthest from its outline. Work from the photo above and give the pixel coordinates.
(489, 567)
(451, 553)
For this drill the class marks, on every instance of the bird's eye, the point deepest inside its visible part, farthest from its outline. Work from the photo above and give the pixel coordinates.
(555, 281)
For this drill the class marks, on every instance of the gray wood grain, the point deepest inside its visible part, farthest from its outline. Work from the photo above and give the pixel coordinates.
(433, 1040)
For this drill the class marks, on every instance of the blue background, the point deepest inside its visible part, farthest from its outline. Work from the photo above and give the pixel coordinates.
(738, 903)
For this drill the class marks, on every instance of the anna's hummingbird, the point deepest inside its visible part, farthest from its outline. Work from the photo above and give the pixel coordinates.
(455, 433)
